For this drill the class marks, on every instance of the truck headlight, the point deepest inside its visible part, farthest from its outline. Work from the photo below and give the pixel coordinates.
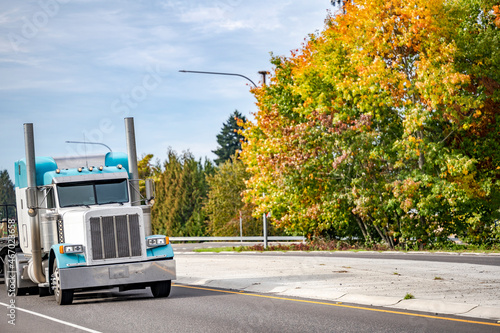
(68, 249)
(157, 241)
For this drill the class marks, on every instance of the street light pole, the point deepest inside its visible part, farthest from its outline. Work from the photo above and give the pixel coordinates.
(263, 73)
(264, 226)
(218, 73)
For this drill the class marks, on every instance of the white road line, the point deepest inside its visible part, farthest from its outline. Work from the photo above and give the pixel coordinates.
(54, 319)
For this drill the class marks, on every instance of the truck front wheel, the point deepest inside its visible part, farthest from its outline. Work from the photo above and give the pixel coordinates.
(161, 288)
(63, 296)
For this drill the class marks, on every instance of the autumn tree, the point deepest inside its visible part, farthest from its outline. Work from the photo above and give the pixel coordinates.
(229, 139)
(373, 126)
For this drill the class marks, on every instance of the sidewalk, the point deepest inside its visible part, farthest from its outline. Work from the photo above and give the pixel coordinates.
(439, 288)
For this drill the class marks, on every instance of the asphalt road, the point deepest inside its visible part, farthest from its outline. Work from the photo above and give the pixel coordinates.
(198, 309)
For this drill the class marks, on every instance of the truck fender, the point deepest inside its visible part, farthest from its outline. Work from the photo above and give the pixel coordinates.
(65, 260)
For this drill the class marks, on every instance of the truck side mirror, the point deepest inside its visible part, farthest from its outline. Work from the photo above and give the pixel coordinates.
(150, 190)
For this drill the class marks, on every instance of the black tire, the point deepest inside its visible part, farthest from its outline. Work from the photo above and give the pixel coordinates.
(2, 268)
(63, 296)
(33, 290)
(5, 275)
(44, 291)
(161, 288)
(17, 291)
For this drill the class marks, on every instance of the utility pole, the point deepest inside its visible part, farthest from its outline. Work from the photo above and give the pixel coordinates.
(264, 227)
(241, 228)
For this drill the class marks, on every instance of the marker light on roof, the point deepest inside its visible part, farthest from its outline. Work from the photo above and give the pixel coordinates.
(58, 171)
(91, 168)
(79, 169)
(100, 168)
(119, 166)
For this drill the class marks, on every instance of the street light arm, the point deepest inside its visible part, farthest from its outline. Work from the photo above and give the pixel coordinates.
(217, 73)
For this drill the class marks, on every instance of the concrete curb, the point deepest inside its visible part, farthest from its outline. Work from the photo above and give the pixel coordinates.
(433, 306)
(486, 312)
(370, 300)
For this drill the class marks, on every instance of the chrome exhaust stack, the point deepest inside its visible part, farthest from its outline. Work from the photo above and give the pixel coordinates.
(135, 195)
(36, 250)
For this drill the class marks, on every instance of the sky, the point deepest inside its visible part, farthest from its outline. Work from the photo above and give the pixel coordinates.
(77, 68)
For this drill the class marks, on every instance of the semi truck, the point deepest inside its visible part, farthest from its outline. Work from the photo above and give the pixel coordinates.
(82, 226)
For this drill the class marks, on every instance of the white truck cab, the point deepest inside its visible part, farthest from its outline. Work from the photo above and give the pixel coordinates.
(82, 228)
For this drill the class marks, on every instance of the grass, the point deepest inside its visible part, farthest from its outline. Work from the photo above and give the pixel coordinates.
(464, 248)
(438, 278)
(220, 249)
(320, 245)
(341, 245)
(409, 296)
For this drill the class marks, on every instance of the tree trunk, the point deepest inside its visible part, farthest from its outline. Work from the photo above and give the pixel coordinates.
(384, 237)
(367, 231)
(391, 241)
(421, 157)
(362, 227)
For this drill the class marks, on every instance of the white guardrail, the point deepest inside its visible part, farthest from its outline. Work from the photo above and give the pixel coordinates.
(238, 239)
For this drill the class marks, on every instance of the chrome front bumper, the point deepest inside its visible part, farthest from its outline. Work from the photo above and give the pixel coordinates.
(117, 274)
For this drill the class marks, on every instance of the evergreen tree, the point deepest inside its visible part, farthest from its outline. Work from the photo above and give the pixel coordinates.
(229, 139)
(7, 194)
(180, 190)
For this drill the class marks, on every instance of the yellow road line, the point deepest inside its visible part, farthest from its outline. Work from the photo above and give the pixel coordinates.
(339, 305)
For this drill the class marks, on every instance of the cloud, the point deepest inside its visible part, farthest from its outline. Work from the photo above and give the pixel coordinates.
(226, 16)
(66, 77)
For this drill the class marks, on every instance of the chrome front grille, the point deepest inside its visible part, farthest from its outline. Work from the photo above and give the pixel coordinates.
(115, 236)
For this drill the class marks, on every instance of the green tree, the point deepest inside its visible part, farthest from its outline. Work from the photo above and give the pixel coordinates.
(180, 191)
(224, 202)
(475, 131)
(229, 139)
(7, 193)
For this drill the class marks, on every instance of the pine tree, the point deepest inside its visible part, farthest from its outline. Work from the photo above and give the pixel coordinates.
(7, 194)
(229, 139)
(180, 190)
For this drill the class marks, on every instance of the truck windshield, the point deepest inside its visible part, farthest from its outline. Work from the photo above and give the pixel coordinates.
(92, 193)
